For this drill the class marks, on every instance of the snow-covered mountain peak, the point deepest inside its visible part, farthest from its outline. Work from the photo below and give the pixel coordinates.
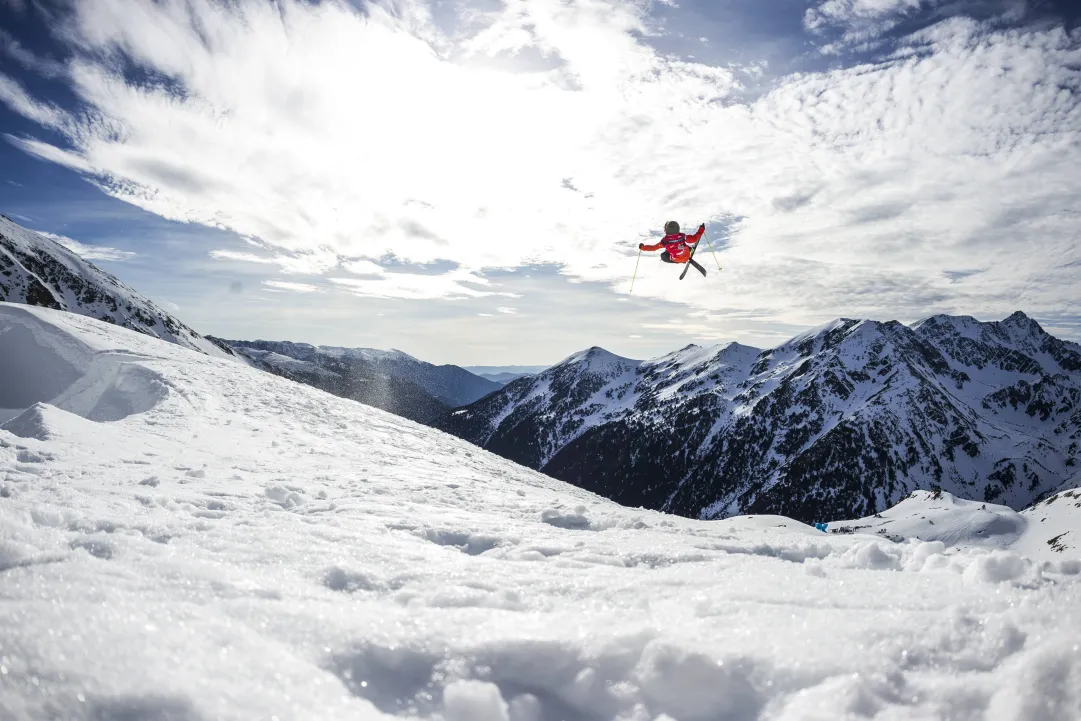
(594, 354)
(1015, 344)
(1055, 525)
(737, 349)
(1019, 321)
(813, 340)
(595, 360)
(940, 516)
(959, 324)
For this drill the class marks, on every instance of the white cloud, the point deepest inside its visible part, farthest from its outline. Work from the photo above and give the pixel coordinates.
(11, 47)
(244, 257)
(363, 267)
(311, 263)
(506, 310)
(167, 304)
(295, 287)
(862, 20)
(453, 285)
(45, 114)
(853, 191)
(89, 252)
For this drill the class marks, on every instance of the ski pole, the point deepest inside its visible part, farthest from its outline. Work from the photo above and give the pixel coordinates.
(635, 270)
(713, 251)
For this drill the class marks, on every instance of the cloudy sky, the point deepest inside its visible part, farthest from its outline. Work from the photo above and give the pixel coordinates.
(468, 180)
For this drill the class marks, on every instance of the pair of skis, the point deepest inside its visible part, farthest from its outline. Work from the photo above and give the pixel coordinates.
(690, 262)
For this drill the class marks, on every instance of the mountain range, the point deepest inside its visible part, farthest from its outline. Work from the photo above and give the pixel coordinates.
(840, 422)
(504, 374)
(391, 380)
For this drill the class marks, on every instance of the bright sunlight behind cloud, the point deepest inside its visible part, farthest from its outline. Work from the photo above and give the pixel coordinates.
(942, 176)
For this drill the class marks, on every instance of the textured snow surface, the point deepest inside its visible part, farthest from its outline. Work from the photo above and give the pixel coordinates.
(185, 538)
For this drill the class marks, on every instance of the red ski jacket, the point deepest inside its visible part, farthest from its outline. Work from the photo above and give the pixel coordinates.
(678, 245)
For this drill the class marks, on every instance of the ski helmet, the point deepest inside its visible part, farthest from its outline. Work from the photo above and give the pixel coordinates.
(671, 227)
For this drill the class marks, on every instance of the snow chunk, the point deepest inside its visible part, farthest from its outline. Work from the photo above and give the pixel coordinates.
(694, 687)
(576, 520)
(872, 556)
(997, 567)
(31, 423)
(285, 496)
(474, 701)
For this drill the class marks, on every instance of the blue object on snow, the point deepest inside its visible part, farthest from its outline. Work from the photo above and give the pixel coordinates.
(821, 526)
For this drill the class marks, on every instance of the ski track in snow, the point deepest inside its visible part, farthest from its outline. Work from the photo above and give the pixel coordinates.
(185, 538)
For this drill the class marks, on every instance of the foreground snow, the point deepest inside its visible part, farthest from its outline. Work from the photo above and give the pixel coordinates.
(185, 538)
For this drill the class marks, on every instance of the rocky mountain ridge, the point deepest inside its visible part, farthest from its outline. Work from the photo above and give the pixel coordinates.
(839, 422)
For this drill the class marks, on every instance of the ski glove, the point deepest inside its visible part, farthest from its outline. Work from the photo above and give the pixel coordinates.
(641, 246)
(701, 227)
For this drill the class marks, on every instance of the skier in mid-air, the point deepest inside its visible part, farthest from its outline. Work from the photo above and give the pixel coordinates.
(678, 247)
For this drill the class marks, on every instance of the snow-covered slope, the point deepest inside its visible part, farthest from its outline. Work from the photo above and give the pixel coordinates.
(1054, 526)
(1047, 530)
(37, 270)
(449, 385)
(842, 421)
(185, 538)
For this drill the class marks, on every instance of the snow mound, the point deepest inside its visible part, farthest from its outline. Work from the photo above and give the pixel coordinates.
(1046, 531)
(39, 365)
(38, 422)
(940, 516)
(111, 391)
